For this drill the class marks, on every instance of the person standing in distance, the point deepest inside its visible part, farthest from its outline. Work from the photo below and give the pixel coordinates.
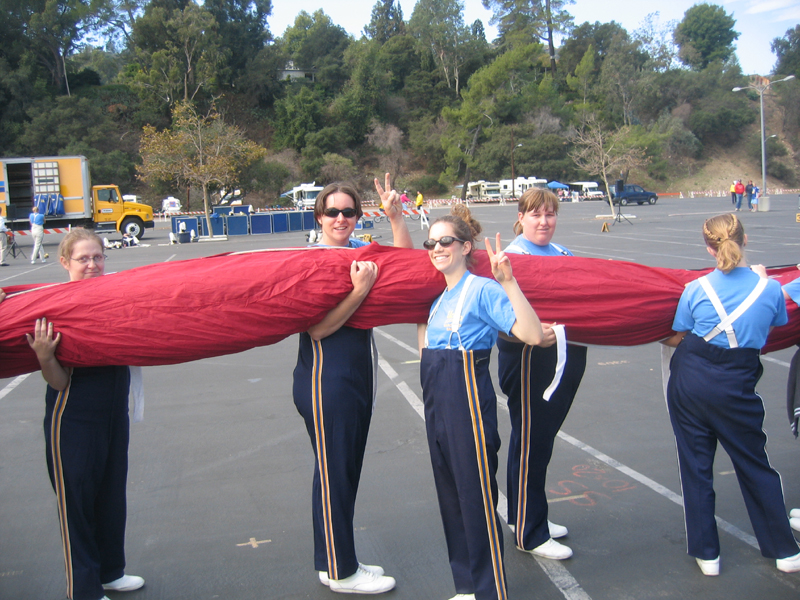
(721, 324)
(86, 431)
(37, 232)
(333, 392)
(527, 376)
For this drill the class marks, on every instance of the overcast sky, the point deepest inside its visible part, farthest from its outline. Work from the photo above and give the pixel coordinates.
(757, 21)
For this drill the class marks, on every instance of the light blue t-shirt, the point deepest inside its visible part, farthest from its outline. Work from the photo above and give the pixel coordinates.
(522, 245)
(793, 289)
(696, 313)
(486, 311)
(36, 218)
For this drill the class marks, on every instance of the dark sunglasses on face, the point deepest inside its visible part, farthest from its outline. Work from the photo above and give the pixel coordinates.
(444, 242)
(348, 213)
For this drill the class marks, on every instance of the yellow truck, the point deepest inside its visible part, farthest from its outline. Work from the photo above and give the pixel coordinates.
(62, 190)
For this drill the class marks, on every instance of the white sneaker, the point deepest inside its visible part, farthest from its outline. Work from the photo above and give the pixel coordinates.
(362, 582)
(557, 531)
(552, 549)
(126, 583)
(375, 569)
(709, 567)
(790, 564)
(463, 597)
(794, 522)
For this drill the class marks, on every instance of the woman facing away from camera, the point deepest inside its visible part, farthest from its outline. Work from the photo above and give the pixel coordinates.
(333, 392)
(721, 324)
(539, 393)
(460, 403)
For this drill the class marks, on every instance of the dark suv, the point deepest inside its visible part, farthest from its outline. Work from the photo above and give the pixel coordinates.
(631, 194)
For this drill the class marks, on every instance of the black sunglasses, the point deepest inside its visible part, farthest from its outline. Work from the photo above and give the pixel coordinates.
(444, 242)
(348, 213)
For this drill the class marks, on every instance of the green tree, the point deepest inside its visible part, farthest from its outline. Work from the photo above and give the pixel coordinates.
(297, 115)
(580, 82)
(598, 35)
(200, 150)
(705, 35)
(438, 26)
(179, 52)
(787, 49)
(386, 21)
(526, 21)
(243, 30)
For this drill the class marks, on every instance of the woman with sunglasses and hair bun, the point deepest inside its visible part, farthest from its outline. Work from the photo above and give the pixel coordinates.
(459, 398)
(539, 393)
(333, 391)
(86, 431)
(722, 322)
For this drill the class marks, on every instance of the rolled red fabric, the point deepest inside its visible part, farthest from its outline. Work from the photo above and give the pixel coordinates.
(180, 311)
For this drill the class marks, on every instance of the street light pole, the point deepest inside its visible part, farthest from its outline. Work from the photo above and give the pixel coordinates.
(513, 181)
(761, 85)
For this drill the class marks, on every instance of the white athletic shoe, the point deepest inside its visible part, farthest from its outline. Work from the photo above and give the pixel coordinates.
(126, 583)
(463, 597)
(790, 564)
(709, 567)
(362, 582)
(375, 569)
(557, 531)
(552, 549)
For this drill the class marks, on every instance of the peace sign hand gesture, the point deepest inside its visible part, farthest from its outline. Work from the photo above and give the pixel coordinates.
(390, 199)
(501, 265)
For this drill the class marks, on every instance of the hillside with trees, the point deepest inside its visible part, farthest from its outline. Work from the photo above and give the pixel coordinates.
(426, 97)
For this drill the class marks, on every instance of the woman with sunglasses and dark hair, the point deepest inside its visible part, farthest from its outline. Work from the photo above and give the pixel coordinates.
(539, 393)
(460, 403)
(333, 391)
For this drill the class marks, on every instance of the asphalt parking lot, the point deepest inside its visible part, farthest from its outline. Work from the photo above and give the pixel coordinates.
(220, 468)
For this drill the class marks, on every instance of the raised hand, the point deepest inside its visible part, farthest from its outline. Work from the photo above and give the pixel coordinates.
(501, 266)
(390, 199)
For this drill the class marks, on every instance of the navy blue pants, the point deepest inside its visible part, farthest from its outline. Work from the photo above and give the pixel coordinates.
(461, 423)
(711, 397)
(333, 393)
(525, 372)
(86, 429)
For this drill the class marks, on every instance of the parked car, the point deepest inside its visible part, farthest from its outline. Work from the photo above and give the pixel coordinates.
(631, 194)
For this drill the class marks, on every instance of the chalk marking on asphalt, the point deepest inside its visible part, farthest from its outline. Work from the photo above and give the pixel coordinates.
(555, 570)
(14, 383)
(655, 486)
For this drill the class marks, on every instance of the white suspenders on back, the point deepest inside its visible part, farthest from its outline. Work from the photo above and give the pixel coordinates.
(726, 320)
(456, 322)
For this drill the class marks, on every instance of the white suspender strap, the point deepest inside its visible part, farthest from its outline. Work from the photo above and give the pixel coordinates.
(561, 249)
(726, 321)
(561, 346)
(455, 324)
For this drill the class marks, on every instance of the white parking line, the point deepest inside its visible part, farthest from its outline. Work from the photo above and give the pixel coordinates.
(14, 383)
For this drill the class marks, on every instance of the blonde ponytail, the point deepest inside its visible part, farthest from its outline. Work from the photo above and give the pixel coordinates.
(725, 235)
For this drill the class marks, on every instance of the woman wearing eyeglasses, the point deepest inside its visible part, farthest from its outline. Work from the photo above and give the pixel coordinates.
(86, 432)
(333, 391)
(459, 398)
(539, 393)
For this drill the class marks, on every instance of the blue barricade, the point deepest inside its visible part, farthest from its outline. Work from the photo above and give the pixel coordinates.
(261, 223)
(237, 224)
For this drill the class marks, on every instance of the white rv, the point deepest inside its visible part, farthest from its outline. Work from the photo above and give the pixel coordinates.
(303, 196)
(509, 188)
(483, 190)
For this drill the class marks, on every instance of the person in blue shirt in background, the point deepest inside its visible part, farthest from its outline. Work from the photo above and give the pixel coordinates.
(459, 398)
(37, 232)
(721, 324)
(539, 401)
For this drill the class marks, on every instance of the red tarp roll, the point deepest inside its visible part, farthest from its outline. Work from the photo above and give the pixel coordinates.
(176, 312)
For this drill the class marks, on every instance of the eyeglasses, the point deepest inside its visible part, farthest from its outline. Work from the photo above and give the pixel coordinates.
(348, 213)
(98, 259)
(444, 242)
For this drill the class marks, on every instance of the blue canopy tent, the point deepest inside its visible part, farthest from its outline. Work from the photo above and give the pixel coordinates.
(555, 185)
